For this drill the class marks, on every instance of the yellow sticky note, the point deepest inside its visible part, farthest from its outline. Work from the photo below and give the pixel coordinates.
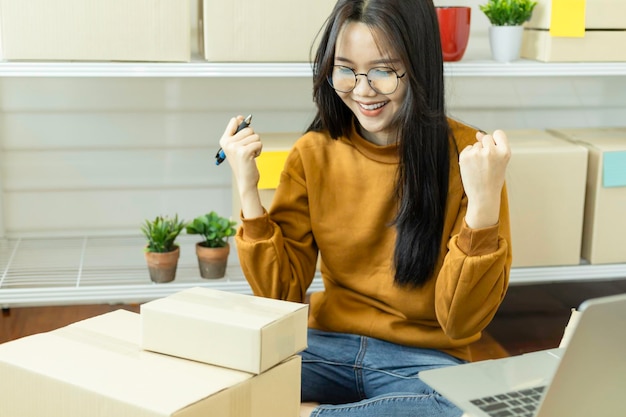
(568, 18)
(270, 164)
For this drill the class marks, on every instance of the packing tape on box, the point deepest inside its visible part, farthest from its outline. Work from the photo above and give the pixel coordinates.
(106, 342)
(262, 307)
(240, 400)
(285, 344)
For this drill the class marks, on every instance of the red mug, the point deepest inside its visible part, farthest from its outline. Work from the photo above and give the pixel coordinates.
(454, 28)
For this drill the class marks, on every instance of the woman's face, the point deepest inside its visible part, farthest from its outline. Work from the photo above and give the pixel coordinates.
(356, 49)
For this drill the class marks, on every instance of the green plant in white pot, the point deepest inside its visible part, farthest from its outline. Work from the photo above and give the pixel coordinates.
(161, 251)
(213, 251)
(506, 30)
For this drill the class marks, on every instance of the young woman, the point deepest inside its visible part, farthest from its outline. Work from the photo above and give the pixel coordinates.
(406, 208)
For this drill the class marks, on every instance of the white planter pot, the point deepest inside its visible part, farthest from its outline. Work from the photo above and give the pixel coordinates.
(506, 42)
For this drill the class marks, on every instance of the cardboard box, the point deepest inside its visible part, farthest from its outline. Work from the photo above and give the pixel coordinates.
(598, 14)
(601, 22)
(546, 187)
(261, 30)
(97, 368)
(605, 205)
(95, 30)
(596, 46)
(233, 330)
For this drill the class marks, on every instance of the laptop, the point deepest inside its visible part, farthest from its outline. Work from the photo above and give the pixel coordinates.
(585, 378)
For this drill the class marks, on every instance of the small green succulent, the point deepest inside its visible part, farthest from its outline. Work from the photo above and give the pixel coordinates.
(215, 229)
(162, 233)
(508, 12)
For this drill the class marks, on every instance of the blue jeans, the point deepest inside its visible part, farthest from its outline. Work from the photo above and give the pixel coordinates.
(351, 375)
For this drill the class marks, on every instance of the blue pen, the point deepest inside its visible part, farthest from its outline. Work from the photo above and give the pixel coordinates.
(220, 156)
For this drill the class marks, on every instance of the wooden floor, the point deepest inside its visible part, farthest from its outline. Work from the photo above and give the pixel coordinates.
(19, 322)
(532, 317)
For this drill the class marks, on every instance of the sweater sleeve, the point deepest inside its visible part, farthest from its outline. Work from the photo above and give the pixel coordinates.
(475, 275)
(277, 251)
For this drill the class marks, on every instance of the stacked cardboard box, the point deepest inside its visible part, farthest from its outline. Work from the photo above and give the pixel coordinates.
(546, 189)
(261, 30)
(95, 30)
(605, 202)
(98, 368)
(237, 331)
(554, 35)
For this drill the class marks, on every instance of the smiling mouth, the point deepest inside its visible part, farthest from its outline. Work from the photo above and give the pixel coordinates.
(373, 106)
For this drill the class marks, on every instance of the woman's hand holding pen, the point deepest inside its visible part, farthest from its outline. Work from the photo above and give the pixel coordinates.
(241, 149)
(483, 170)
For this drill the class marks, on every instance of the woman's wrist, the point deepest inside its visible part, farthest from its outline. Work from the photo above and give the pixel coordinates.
(251, 206)
(483, 215)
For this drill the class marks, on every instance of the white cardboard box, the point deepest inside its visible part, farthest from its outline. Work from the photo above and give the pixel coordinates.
(596, 46)
(599, 14)
(261, 30)
(546, 188)
(97, 368)
(605, 31)
(95, 30)
(605, 204)
(222, 328)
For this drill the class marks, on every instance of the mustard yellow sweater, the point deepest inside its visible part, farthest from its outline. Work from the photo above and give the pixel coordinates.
(337, 197)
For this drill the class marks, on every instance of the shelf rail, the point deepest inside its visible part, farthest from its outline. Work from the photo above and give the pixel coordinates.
(111, 270)
(203, 69)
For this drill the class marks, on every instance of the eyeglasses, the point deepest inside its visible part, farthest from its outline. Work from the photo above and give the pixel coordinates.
(383, 80)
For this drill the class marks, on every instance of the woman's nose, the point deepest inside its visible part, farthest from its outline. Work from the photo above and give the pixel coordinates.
(362, 87)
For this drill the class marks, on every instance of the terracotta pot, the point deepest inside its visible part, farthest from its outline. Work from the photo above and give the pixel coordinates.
(162, 266)
(212, 261)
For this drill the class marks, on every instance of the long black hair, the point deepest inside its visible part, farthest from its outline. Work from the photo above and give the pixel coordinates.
(410, 29)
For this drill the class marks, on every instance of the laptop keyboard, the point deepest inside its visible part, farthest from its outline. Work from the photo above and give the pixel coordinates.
(522, 403)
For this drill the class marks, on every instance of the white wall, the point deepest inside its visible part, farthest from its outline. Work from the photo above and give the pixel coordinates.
(529, 102)
(99, 155)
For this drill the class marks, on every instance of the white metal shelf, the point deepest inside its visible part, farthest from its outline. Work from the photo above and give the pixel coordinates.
(200, 69)
(121, 280)
(195, 69)
(96, 270)
(568, 273)
(529, 68)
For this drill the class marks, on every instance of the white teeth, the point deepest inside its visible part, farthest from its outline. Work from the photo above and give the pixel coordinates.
(372, 106)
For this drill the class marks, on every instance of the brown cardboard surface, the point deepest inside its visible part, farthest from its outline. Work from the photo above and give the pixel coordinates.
(599, 14)
(595, 46)
(546, 189)
(97, 368)
(232, 330)
(95, 30)
(261, 30)
(605, 207)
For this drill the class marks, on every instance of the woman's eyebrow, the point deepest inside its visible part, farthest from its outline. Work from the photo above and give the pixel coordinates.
(342, 59)
(375, 62)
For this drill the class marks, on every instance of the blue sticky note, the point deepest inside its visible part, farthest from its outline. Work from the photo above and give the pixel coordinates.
(614, 169)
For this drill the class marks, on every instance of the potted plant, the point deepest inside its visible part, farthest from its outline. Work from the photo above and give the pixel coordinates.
(506, 30)
(162, 252)
(213, 251)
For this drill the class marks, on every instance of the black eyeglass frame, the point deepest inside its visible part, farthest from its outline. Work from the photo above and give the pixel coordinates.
(369, 82)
